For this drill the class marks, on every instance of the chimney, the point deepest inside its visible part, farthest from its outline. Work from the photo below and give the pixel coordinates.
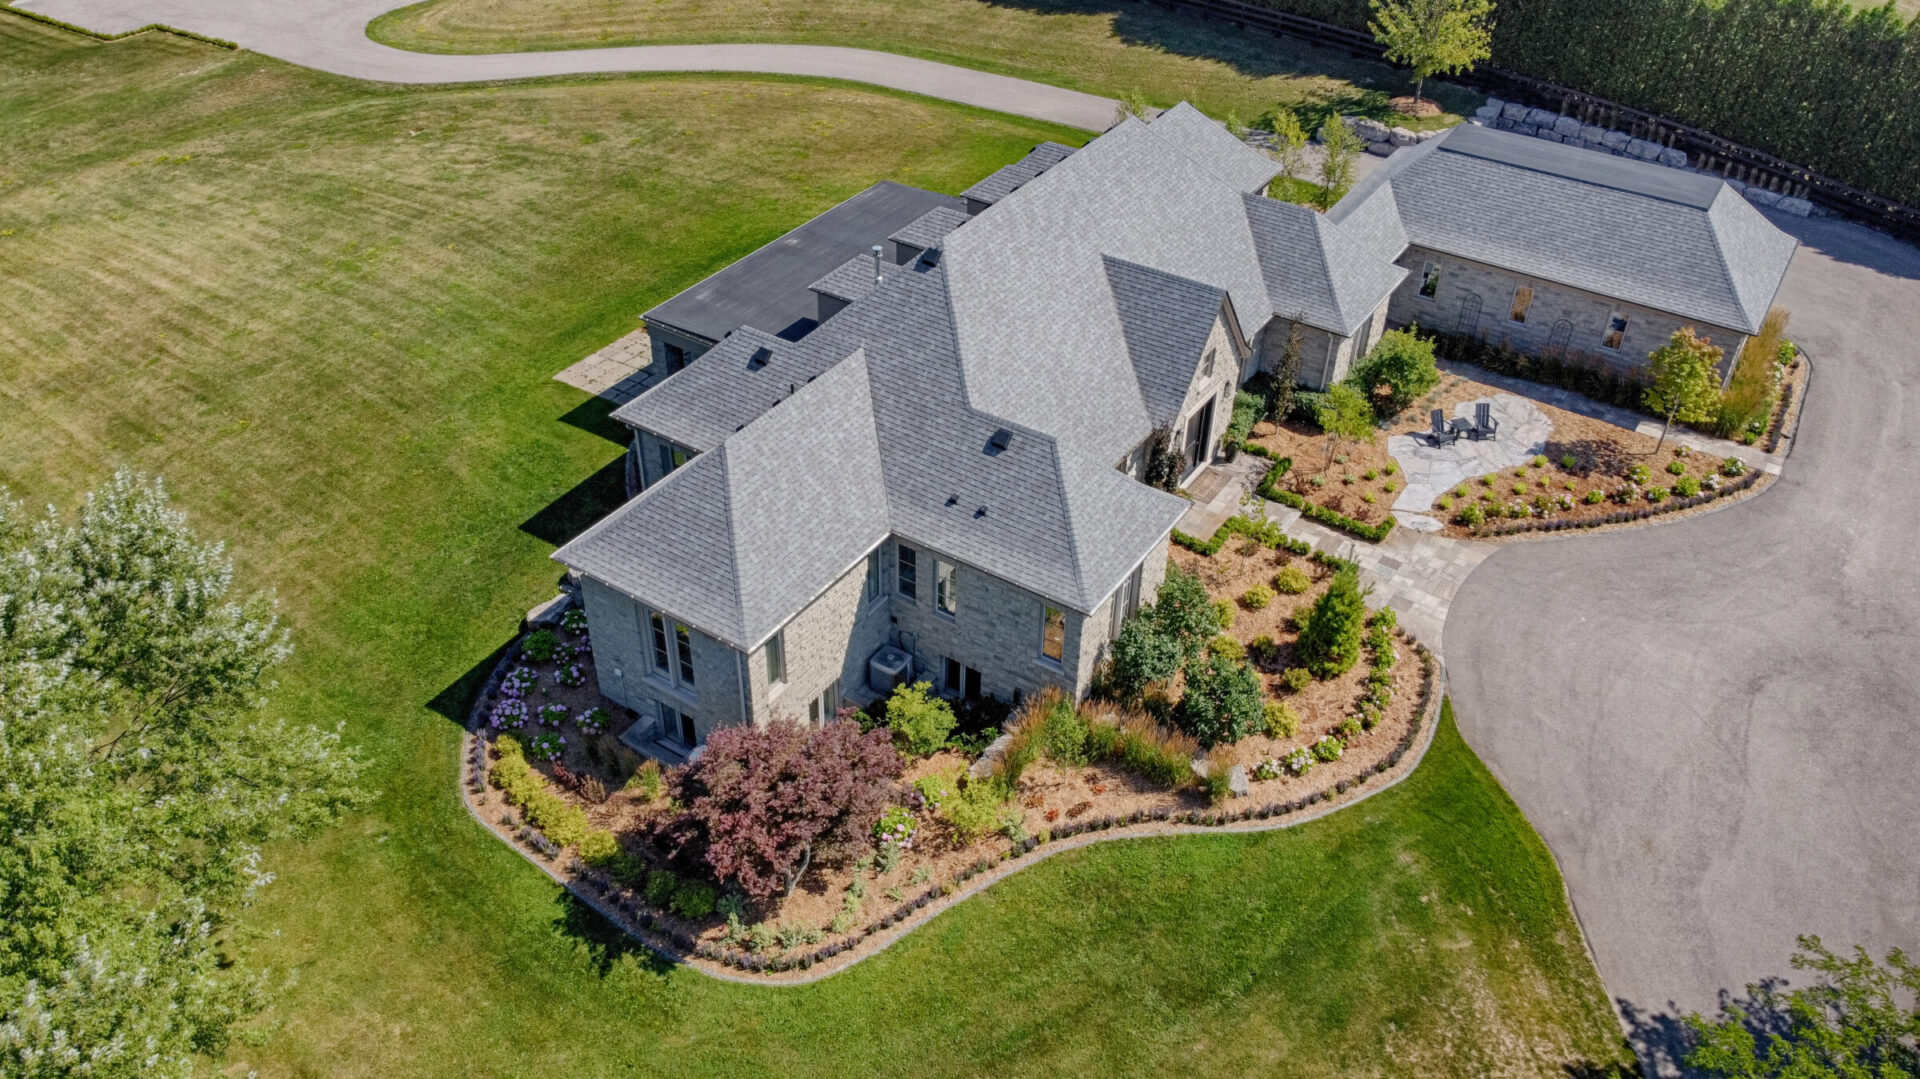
(876, 265)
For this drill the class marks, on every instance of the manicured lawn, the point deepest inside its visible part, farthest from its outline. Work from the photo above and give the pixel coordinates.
(329, 313)
(1100, 47)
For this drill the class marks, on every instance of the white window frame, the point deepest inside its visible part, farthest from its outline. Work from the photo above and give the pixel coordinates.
(676, 638)
(906, 568)
(777, 659)
(1206, 366)
(1621, 317)
(946, 587)
(1049, 617)
(1515, 307)
(876, 584)
(1429, 282)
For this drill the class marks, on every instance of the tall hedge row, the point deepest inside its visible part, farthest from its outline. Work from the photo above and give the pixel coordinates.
(1813, 81)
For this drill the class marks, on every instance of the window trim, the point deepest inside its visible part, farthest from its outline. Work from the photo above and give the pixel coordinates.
(1206, 365)
(906, 571)
(776, 651)
(1518, 308)
(660, 655)
(875, 587)
(683, 651)
(1053, 634)
(1429, 281)
(1621, 317)
(946, 588)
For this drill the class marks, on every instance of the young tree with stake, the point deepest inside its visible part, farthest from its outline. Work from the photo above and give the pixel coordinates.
(1433, 36)
(1686, 382)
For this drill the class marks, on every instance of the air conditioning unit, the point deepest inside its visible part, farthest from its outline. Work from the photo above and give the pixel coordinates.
(888, 668)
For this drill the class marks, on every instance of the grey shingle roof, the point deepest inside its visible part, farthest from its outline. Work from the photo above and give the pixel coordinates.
(1213, 147)
(768, 288)
(702, 404)
(740, 538)
(1314, 270)
(1166, 321)
(851, 279)
(1006, 180)
(930, 228)
(1650, 235)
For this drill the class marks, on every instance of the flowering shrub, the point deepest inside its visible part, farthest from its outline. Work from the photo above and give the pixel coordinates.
(518, 681)
(570, 674)
(895, 828)
(1349, 727)
(552, 715)
(1686, 487)
(509, 713)
(574, 621)
(592, 721)
(1656, 494)
(1676, 468)
(1639, 474)
(934, 789)
(547, 745)
(1327, 749)
(1267, 769)
(1733, 466)
(540, 644)
(1299, 762)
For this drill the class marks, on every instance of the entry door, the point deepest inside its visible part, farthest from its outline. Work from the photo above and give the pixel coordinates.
(1199, 435)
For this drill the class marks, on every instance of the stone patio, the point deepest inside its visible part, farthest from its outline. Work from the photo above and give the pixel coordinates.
(616, 371)
(1432, 470)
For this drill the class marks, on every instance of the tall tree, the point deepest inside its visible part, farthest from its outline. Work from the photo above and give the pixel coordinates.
(1402, 363)
(1433, 36)
(1330, 642)
(1292, 139)
(140, 777)
(1338, 148)
(1286, 381)
(1847, 1025)
(761, 802)
(1686, 380)
(1183, 611)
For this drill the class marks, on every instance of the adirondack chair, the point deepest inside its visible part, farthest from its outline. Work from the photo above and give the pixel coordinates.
(1442, 432)
(1484, 425)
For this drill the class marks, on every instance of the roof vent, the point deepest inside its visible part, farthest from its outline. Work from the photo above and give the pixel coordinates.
(877, 278)
(761, 356)
(999, 442)
(953, 500)
(979, 513)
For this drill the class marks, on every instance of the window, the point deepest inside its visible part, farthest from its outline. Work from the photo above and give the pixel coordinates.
(1616, 332)
(909, 573)
(776, 659)
(676, 726)
(660, 659)
(676, 357)
(1430, 281)
(683, 642)
(671, 457)
(1522, 299)
(1206, 366)
(826, 706)
(1053, 633)
(962, 680)
(946, 595)
(873, 575)
(1126, 601)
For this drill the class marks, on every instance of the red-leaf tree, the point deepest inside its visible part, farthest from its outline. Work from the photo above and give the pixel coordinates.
(761, 802)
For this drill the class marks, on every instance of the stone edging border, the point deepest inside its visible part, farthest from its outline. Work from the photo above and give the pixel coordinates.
(471, 779)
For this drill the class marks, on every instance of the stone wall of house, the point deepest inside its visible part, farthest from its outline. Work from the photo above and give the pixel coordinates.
(1219, 386)
(831, 638)
(1474, 298)
(1320, 352)
(623, 664)
(661, 336)
(644, 460)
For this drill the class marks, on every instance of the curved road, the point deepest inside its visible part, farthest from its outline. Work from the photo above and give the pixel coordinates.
(330, 35)
(1715, 723)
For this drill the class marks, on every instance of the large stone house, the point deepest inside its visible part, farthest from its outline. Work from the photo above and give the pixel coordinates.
(911, 451)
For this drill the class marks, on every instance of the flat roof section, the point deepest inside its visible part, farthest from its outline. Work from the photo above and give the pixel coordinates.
(1587, 166)
(768, 289)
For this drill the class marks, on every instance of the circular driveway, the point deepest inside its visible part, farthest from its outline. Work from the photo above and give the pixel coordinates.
(1715, 723)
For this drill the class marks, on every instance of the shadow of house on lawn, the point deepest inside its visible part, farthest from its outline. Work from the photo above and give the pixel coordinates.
(574, 512)
(1258, 55)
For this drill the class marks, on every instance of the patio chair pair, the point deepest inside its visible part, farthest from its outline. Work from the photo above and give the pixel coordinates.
(1483, 425)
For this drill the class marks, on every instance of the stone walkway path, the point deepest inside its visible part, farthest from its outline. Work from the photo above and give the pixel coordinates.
(1431, 471)
(614, 372)
(330, 35)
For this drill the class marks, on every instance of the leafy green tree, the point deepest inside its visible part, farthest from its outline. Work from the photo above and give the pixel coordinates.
(1222, 702)
(1184, 612)
(1432, 36)
(1330, 641)
(1686, 381)
(140, 776)
(920, 722)
(1142, 655)
(1132, 104)
(1292, 148)
(1346, 416)
(1339, 147)
(1849, 1025)
(1402, 363)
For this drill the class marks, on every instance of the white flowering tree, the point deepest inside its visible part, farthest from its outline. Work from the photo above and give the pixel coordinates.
(140, 774)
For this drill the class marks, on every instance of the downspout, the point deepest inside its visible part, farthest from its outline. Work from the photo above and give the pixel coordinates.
(746, 696)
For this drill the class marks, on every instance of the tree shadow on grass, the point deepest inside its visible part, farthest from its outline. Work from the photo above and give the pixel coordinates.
(589, 500)
(605, 944)
(1256, 54)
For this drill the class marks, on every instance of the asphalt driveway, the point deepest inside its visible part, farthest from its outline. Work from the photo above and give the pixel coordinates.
(1715, 724)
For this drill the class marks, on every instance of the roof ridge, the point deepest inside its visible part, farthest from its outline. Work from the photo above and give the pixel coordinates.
(739, 605)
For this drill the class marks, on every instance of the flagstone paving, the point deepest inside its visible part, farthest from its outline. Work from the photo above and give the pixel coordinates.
(616, 372)
(1432, 470)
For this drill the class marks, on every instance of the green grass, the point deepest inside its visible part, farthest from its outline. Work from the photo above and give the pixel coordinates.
(1087, 45)
(329, 313)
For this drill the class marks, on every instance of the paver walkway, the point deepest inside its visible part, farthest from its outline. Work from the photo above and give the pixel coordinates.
(615, 372)
(330, 35)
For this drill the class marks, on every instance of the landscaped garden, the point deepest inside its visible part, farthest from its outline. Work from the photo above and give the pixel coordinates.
(790, 847)
(329, 312)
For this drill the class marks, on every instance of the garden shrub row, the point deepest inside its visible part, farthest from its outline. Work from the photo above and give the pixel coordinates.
(560, 821)
(1672, 505)
(1805, 80)
(1267, 532)
(1336, 519)
(1592, 378)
